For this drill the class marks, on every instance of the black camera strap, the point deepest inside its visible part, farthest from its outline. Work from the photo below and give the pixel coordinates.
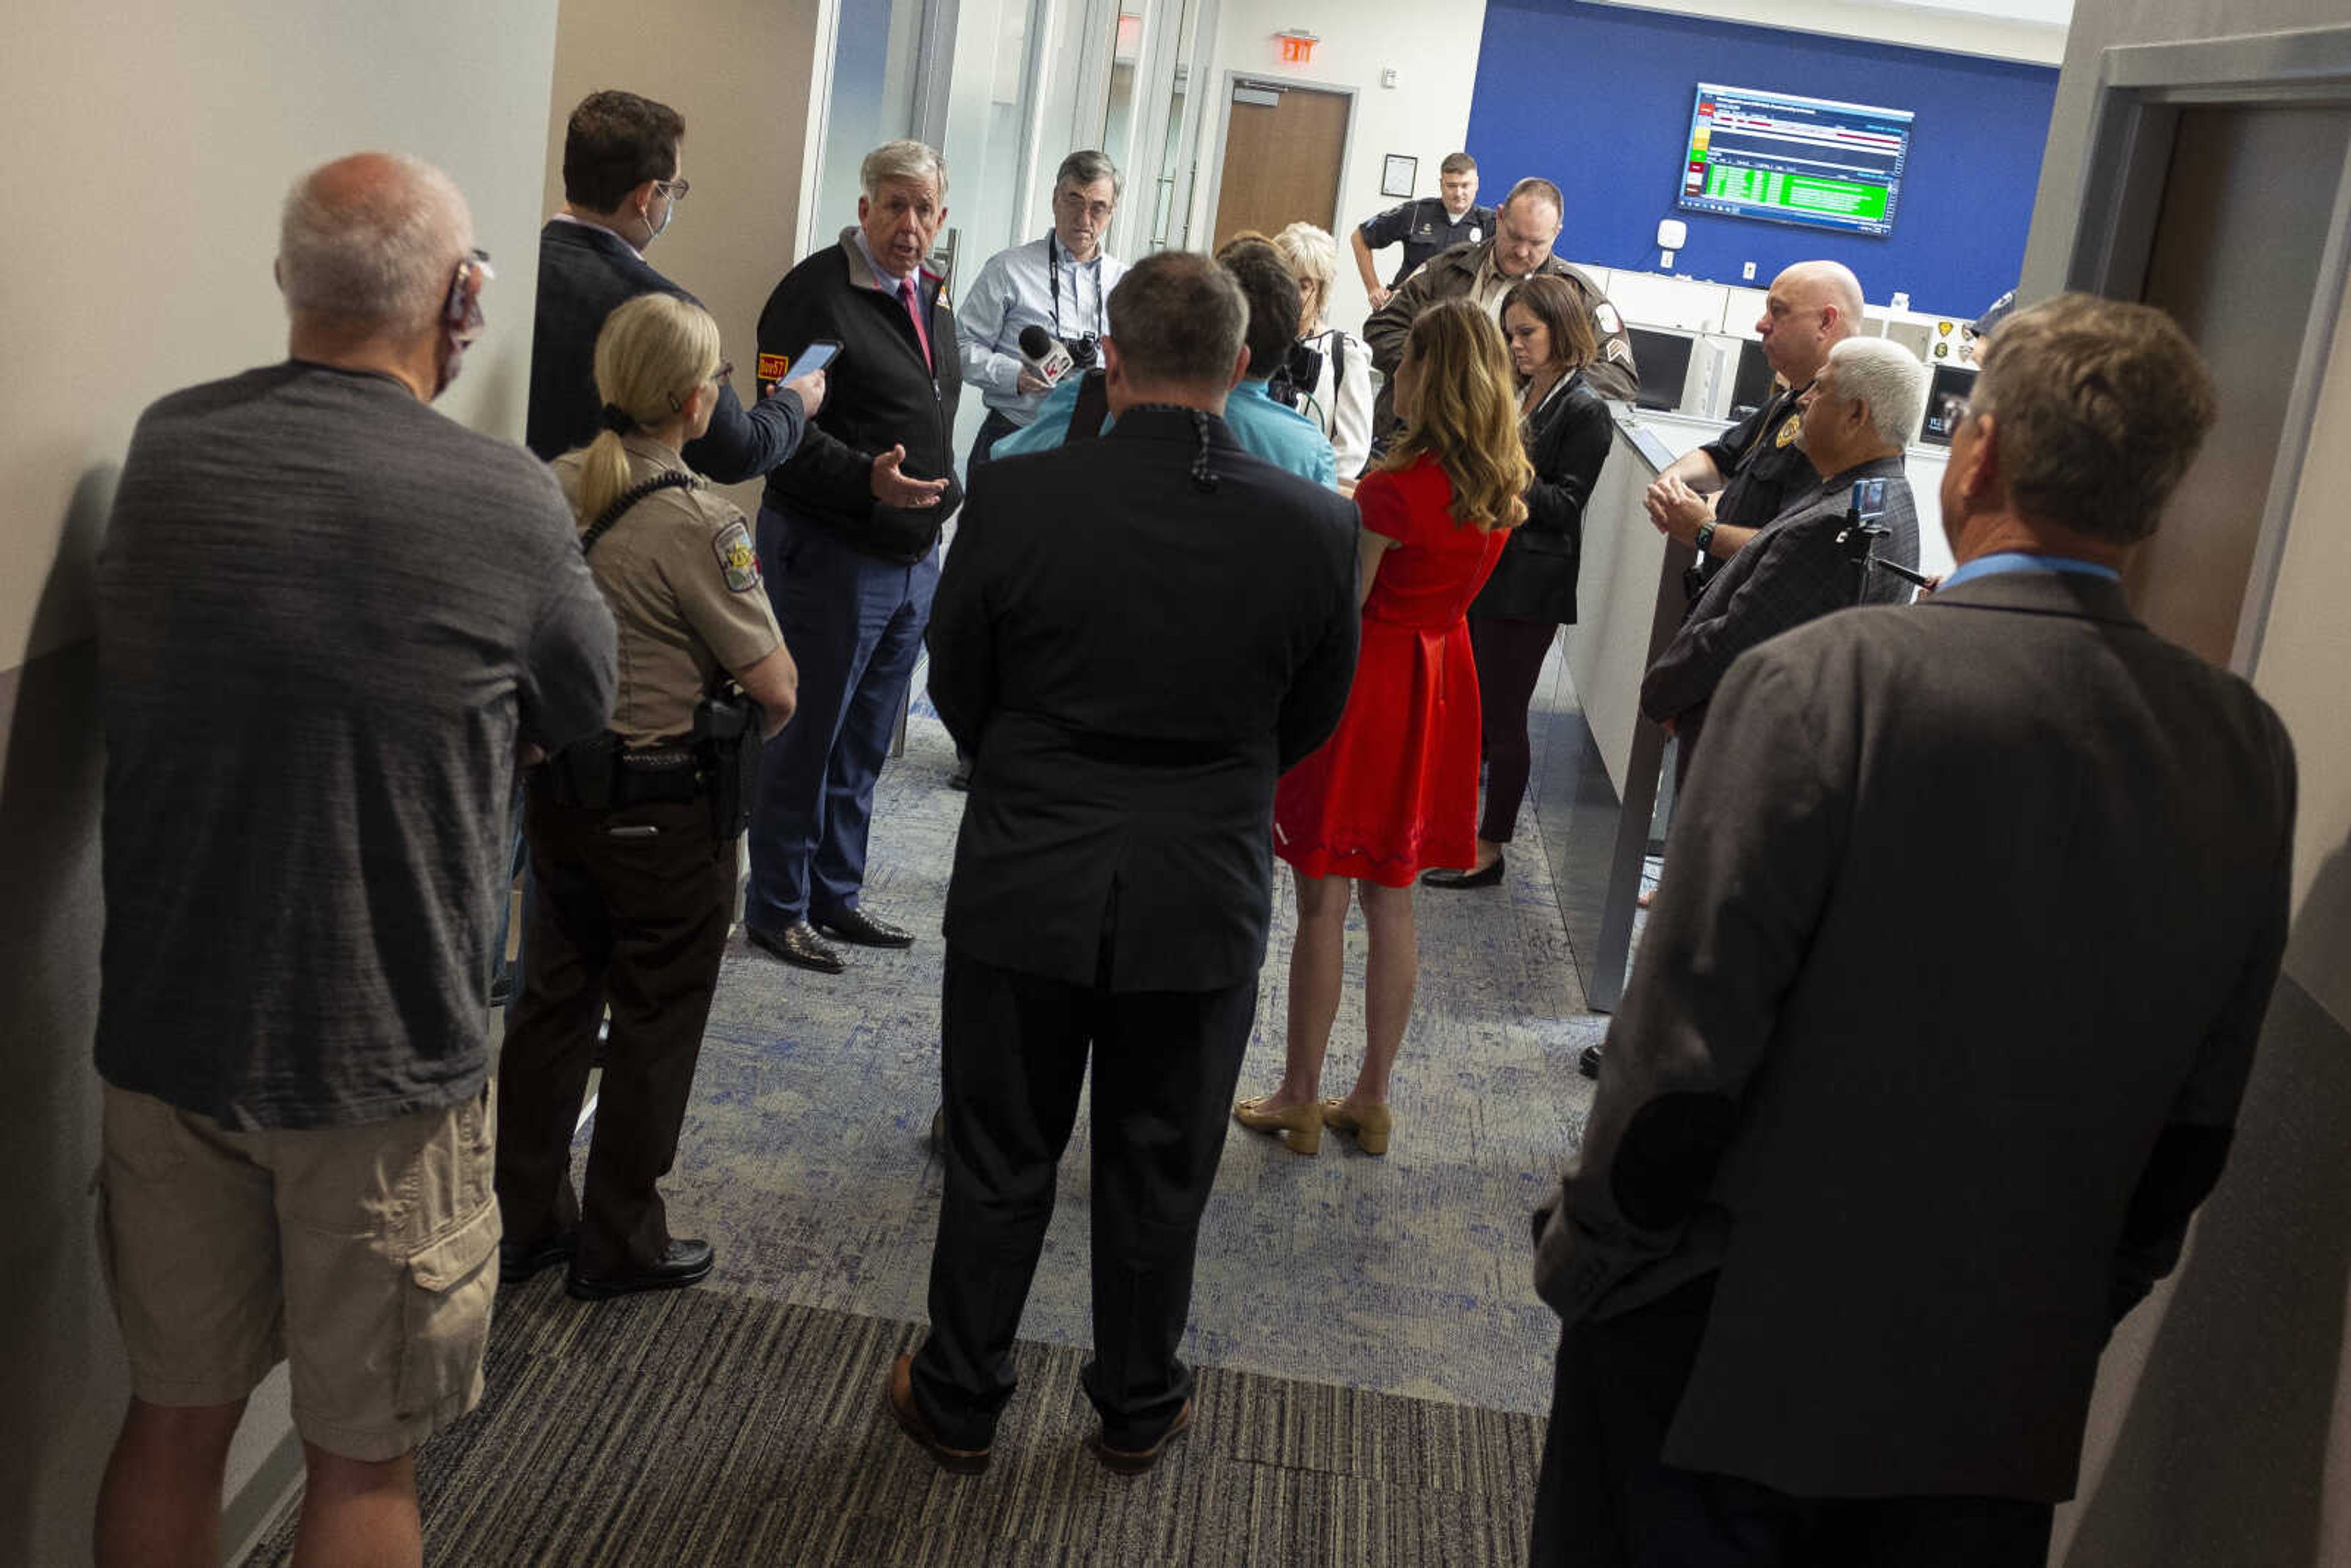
(1053, 271)
(676, 479)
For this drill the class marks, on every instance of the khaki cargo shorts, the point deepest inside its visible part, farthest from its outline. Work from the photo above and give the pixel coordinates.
(365, 1257)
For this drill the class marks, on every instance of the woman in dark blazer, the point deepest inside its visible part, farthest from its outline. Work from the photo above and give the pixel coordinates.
(1567, 430)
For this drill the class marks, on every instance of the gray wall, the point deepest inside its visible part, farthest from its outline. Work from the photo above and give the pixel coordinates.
(155, 143)
(2221, 1433)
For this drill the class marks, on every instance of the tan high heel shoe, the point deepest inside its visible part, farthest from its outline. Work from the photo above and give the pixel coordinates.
(1370, 1124)
(1300, 1126)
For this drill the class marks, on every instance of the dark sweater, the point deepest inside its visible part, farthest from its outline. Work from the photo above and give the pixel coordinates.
(584, 274)
(879, 394)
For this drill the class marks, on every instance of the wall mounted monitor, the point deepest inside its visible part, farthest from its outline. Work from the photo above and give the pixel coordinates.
(1946, 400)
(1663, 361)
(1750, 387)
(1794, 160)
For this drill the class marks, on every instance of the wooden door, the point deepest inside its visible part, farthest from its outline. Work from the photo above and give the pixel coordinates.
(1283, 147)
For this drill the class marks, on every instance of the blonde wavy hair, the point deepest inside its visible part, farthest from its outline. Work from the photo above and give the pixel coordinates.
(651, 355)
(1465, 414)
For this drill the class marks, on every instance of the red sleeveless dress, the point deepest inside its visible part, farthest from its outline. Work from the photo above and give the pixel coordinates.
(1394, 791)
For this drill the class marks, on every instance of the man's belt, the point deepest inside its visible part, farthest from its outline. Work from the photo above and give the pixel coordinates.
(602, 774)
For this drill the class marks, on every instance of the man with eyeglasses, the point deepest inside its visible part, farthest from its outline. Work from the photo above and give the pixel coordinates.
(1061, 284)
(331, 620)
(623, 186)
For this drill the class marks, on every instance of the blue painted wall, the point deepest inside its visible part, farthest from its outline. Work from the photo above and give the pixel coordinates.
(1598, 99)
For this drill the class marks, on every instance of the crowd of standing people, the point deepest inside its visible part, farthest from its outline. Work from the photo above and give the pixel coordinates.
(1210, 601)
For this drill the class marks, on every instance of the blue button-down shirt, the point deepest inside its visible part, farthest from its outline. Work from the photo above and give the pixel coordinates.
(1282, 436)
(2021, 560)
(1015, 289)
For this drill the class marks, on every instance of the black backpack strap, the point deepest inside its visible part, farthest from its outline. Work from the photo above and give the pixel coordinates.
(676, 479)
(1086, 420)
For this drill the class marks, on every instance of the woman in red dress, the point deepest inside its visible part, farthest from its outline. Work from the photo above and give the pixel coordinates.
(1394, 791)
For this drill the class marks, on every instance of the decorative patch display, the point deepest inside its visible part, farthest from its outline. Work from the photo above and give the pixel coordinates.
(735, 557)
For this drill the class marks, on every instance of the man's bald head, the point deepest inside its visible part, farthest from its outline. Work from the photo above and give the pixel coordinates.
(1813, 306)
(371, 243)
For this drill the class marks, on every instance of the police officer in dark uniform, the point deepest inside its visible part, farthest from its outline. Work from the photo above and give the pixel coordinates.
(1716, 496)
(633, 833)
(1424, 227)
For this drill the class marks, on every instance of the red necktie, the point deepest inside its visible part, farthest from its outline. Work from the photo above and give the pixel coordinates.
(914, 302)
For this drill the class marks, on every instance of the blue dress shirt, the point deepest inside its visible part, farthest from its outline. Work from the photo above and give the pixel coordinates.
(1015, 289)
(2019, 560)
(1282, 436)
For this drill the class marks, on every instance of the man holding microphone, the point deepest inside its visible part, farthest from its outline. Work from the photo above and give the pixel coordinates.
(1057, 287)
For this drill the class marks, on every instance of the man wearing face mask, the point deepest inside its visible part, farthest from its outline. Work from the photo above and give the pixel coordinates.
(330, 621)
(623, 186)
(1061, 283)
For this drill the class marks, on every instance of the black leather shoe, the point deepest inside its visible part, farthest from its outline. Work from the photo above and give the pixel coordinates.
(1588, 1063)
(518, 1260)
(686, 1263)
(856, 925)
(1448, 877)
(797, 944)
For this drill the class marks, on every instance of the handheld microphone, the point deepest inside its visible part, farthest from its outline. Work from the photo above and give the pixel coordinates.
(1044, 355)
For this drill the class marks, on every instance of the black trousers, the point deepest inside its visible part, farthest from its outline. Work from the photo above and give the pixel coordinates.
(1016, 1048)
(1605, 1499)
(1510, 657)
(638, 919)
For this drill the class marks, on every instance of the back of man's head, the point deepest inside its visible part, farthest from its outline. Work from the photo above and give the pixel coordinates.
(2097, 408)
(615, 142)
(368, 244)
(1886, 378)
(1177, 319)
(1274, 302)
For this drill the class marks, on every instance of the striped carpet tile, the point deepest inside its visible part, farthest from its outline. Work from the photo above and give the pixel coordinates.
(700, 1428)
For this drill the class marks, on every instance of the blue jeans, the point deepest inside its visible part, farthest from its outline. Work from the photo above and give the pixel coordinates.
(854, 624)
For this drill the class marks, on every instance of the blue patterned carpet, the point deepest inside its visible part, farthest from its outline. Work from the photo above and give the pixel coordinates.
(806, 1158)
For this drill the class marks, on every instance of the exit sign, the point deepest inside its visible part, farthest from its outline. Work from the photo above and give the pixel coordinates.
(1297, 48)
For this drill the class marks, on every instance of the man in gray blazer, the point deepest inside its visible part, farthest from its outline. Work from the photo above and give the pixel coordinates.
(1938, 1033)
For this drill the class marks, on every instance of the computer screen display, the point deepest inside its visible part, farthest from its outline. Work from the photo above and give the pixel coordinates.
(1663, 361)
(1750, 388)
(1794, 160)
(1946, 399)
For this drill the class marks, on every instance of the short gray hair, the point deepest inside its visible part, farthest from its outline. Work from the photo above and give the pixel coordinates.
(901, 160)
(1887, 378)
(1084, 167)
(372, 240)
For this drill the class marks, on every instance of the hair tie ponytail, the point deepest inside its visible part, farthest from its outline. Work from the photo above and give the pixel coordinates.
(616, 419)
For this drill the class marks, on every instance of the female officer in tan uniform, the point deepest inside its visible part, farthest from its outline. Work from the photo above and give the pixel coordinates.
(635, 874)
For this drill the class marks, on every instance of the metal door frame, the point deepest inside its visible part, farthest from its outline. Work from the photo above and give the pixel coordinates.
(2135, 117)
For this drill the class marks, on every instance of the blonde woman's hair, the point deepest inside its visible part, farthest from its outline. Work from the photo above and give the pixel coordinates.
(651, 355)
(1465, 416)
(1313, 257)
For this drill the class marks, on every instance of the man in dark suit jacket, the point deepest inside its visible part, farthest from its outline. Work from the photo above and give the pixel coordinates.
(849, 535)
(1857, 416)
(622, 187)
(1134, 635)
(1938, 1030)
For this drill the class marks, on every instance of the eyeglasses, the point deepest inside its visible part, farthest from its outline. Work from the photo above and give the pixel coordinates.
(726, 369)
(676, 190)
(464, 309)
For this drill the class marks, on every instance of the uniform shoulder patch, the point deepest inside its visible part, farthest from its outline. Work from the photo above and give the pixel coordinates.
(1604, 316)
(1789, 431)
(775, 367)
(737, 558)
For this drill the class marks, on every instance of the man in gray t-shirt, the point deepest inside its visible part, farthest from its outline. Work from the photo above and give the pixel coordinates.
(331, 622)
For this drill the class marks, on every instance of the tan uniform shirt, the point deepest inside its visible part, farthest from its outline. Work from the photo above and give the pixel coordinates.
(681, 575)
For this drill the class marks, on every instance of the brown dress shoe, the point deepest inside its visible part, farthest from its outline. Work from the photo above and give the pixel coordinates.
(1135, 1461)
(900, 1397)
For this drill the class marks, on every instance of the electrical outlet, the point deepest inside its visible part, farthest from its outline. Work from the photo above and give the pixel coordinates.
(1748, 272)
(1665, 261)
(1388, 77)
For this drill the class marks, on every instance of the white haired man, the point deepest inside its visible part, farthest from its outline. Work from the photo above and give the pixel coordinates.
(849, 533)
(329, 622)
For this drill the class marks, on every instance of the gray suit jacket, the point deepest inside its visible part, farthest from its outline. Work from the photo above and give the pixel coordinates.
(1974, 911)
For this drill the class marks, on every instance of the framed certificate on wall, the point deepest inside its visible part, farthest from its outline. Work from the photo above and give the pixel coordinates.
(1396, 176)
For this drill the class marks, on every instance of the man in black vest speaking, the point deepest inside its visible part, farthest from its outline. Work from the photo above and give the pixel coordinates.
(1134, 635)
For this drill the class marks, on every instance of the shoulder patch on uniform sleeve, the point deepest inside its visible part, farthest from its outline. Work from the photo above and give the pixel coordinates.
(775, 367)
(737, 558)
(1604, 315)
(1790, 430)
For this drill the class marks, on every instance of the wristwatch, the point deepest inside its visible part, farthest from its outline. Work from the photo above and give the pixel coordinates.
(1705, 537)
